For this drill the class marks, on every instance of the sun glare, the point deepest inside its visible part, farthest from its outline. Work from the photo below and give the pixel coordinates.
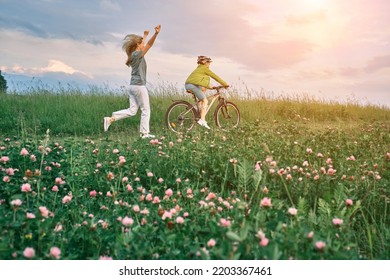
(316, 3)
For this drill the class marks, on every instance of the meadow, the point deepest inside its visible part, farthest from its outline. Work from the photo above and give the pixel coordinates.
(298, 179)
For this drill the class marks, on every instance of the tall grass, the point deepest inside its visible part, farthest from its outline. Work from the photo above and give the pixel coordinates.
(71, 111)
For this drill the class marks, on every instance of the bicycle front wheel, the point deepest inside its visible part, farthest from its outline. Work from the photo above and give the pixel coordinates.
(180, 117)
(227, 115)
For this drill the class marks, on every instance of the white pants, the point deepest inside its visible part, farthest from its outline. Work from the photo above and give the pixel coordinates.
(138, 98)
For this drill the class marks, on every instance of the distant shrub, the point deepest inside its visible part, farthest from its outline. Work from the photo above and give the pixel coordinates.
(3, 85)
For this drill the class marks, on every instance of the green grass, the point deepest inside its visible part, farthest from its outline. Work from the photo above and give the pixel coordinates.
(296, 142)
(77, 113)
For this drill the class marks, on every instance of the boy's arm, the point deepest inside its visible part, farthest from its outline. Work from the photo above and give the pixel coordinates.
(216, 78)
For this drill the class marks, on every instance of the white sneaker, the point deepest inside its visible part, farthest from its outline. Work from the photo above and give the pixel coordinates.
(203, 123)
(147, 135)
(106, 123)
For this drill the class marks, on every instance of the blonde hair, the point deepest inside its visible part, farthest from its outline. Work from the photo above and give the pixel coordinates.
(130, 44)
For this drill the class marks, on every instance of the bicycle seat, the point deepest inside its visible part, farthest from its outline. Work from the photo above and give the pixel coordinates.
(193, 94)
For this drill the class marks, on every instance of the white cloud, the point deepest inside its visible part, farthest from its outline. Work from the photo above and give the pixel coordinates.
(378, 63)
(109, 5)
(59, 66)
(53, 66)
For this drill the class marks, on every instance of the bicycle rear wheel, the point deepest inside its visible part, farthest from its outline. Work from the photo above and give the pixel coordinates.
(180, 117)
(227, 115)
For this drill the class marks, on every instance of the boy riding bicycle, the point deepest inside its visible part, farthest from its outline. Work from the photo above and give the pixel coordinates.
(198, 81)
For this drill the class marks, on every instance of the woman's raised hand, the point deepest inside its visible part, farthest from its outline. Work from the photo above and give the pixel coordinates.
(157, 28)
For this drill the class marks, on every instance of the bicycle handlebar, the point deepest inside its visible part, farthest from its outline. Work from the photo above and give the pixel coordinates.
(219, 87)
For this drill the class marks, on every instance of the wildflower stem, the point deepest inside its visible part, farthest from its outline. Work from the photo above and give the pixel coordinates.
(224, 179)
(256, 184)
(45, 141)
(288, 193)
(54, 201)
(369, 237)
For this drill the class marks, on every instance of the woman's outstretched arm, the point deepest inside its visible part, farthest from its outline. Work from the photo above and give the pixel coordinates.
(151, 40)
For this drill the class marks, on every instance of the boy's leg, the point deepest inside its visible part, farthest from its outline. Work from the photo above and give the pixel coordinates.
(203, 102)
(203, 107)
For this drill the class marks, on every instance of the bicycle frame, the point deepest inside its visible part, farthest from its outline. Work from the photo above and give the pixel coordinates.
(211, 100)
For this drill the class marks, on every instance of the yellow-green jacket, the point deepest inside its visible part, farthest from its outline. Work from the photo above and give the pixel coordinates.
(201, 77)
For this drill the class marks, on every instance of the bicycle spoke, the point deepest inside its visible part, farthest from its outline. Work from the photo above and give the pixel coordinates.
(227, 115)
(180, 117)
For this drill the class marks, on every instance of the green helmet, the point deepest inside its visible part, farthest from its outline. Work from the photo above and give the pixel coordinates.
(204, 59)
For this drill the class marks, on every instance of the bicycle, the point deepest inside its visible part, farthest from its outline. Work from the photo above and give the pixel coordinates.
(182, 116)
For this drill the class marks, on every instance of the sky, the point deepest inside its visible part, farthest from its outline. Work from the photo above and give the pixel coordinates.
(329, 50)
